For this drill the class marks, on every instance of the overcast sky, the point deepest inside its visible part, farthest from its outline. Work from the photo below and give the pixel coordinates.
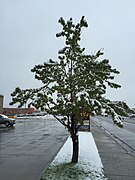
(27, 37)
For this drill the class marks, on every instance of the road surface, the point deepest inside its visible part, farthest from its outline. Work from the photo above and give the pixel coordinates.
(27, 149)
(125, 135)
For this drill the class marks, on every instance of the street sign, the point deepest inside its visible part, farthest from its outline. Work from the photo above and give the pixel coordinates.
(85, 123)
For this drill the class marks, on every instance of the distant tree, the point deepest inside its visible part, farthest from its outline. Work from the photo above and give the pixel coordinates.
(122, 108)
(73, 84)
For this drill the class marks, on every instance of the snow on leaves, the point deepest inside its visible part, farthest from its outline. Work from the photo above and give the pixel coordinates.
(74, 83)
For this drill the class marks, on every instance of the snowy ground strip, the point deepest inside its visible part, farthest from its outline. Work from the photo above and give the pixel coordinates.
(89, 166)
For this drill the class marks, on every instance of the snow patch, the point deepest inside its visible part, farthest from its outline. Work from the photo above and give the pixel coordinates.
(89, 166)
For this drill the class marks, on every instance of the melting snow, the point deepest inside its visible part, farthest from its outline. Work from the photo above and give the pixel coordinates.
(89, 166)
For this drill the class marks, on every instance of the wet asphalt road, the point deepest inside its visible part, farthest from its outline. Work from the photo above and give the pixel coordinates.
(125, 135)
(27, 149)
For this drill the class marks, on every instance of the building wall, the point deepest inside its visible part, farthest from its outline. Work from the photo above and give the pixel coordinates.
(15, 111)
(1, 103)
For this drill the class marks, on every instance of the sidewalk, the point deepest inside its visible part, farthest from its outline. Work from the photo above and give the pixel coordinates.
(118, 164)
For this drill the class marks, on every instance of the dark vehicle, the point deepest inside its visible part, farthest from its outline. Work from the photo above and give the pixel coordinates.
(8, 122)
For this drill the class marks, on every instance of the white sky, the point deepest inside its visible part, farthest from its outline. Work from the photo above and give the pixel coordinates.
(27, 37)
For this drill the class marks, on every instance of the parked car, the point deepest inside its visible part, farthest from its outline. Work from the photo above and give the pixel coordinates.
(8, 122)
(104, 114)
(132, 115)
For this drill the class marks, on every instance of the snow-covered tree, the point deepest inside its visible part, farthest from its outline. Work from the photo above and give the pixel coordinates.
(73, 84)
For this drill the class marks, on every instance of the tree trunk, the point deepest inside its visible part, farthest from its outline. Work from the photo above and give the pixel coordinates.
(75, 148)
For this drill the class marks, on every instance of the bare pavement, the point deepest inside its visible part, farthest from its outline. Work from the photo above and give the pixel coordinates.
(27, 150)
(118, 158)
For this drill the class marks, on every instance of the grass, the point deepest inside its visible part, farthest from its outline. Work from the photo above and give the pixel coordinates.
(69, 171)
(64, 170)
